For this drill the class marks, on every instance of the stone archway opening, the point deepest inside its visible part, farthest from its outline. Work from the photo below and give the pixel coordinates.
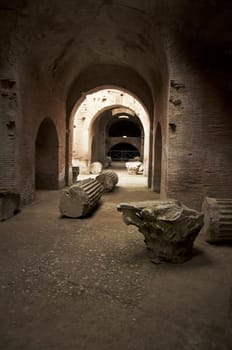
(123, 152)
(124, 128)
(46, 156)
(121, 127)
(105, 118)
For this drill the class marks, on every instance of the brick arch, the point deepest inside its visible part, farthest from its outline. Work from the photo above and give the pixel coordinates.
(46, 156)
(85, 125)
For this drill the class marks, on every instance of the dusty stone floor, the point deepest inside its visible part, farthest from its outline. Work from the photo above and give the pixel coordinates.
(88, 284)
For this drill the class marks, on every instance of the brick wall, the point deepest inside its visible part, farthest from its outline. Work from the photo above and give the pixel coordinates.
(37, 102)
(199, 136)
(8, 134)
(160, 118)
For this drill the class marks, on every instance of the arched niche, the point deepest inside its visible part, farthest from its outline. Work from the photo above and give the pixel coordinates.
(46, 156)
(158, 158)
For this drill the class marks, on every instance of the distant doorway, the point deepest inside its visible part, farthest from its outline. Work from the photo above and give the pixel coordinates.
(46, 157)
(123, 152)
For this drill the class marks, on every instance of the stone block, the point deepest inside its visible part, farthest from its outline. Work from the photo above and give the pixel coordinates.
(108, 179)
(9, 204)
(169, 227)
(81, 198)
(95, 168)
(133, 167)
(217, 219)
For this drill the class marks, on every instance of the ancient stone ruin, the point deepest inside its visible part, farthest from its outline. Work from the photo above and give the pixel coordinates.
(80, 199)
(108, 179)
(169, 227)
(133, 168)
(75, 173)
(217, 219)
(95, 168)
(9, 204)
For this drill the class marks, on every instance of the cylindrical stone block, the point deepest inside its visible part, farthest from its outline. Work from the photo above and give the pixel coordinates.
(108, 179)
(133, 167)
(95, 167)
(217, 219)
(80, 199)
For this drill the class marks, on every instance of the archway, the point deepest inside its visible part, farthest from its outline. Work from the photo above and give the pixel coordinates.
(94, 117)
(158, 159)
(46, 157)
(123, 152)
(111, 128)
(123, 127)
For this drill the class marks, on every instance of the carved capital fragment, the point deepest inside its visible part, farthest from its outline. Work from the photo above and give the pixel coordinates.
(169, 227)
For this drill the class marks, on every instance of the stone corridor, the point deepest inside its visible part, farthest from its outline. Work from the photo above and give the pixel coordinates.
(88, 284)
(95, 81)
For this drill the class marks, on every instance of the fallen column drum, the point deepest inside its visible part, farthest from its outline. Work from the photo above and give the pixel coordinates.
(108, 179)
(80, 199)
(95, 168)
(217, 219)
(133, 167)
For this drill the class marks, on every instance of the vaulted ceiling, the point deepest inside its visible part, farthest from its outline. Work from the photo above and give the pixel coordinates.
(122, 42)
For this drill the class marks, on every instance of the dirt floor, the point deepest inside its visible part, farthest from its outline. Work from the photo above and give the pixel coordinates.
(88, 284)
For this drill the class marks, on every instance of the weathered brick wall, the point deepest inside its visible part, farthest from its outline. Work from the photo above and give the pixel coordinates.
(37, 102)
(8, 133)
(160, 117)
(199, 136)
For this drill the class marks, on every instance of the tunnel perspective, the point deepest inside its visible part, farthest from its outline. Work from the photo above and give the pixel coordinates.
(123, 152)
(107, 118)
(46, 157)
(53, 55)
(124, 137)
(124, 128)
